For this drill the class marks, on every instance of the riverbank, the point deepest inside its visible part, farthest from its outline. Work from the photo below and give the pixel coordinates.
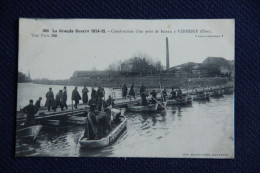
(149, 81)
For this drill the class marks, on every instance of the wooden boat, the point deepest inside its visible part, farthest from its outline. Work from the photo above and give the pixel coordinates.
(107, 140)
(228, 91)
(200, 95)
(29, 133)
(186, 99)
(189, 99)
(140, 108)
(177, 101)
(217, 93)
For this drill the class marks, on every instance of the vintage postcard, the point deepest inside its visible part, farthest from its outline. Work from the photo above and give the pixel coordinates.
(125, 88)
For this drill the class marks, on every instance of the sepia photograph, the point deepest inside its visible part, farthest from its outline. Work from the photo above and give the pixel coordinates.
(126, 88)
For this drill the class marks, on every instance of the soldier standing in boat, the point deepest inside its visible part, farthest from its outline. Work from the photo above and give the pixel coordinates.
(124, 91)
(164, 94)
(142, 89)
(30, 110)
(104, 125)
(38, 103)
(144, 100)
(75, 96)
(50, 99)
(100, 92)
(179, 93)
(101, 104)
(154, 96)
(110, 101)
(91, 128)
(132, 92)
(173, 94)
(85, 95)
(93, 93)
(64, 98)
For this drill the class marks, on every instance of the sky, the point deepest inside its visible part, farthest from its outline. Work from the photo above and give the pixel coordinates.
(58, 57)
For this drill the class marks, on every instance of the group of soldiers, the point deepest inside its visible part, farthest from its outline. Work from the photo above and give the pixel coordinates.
(60, 100)
(99, 123)
(96, 100)
(174, 94)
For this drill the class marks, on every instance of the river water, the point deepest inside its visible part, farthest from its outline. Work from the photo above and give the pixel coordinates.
(205, 129)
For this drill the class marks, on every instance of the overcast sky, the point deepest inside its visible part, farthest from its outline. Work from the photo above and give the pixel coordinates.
(58, 58)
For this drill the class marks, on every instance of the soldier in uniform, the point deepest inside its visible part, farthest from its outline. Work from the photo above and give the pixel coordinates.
(85, 94)
(91, 128)
(75, 96)
(124, 91)
(64, 98)
(93, 93)
(144, 100)
(57, 101)
(38, 103)
(110, 101)
(154, 96)
(50, 99)
(179, 93)
(142, 89)
(30, 110)
(132, 92)
(173, 94)
(164, 94)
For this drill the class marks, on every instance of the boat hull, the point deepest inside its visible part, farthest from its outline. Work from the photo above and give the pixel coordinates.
(149, 108)
(30, 132)
(177, 101)
(201, 97)
(108, 140)
(217, 93)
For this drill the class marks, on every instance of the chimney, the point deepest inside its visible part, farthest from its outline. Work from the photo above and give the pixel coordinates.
(167, 54)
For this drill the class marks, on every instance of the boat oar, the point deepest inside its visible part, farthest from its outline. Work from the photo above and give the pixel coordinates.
(160, 104)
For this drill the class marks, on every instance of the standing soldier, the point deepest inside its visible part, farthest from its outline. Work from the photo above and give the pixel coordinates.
(101, 104)
(110, 101)
(91, 127)
(100, 92)
(179, 93)
(85, 95)
(173, 94)
(93, 93)
(154, 96)
(124, 91)
(38, 103)
(57, 101)
(30, 110)
(50, 98)
(144, 100)
(132, 92)
(142, 89)
(75, 96)
(164, 94)
(64, 98)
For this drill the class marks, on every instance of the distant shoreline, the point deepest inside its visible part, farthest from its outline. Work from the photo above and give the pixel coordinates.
(151, 82)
